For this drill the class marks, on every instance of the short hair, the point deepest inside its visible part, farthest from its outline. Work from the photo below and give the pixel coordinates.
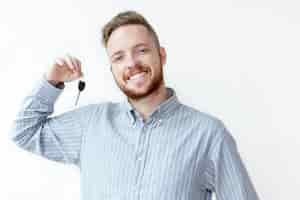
(127, 18)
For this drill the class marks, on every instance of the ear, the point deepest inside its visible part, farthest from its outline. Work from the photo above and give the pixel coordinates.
(163, 55)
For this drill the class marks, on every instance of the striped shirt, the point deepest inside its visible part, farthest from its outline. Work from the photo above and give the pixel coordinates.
(178, 153)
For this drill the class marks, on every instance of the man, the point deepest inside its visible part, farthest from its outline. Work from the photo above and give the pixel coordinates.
(150, 146)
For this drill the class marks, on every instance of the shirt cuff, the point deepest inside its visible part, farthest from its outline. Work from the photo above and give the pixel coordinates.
(46, 90)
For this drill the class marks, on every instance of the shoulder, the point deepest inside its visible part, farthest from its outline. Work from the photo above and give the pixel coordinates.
(206, 123)
(198, 116)
(214, 130)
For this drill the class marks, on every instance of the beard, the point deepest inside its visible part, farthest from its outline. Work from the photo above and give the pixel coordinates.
(155, 82)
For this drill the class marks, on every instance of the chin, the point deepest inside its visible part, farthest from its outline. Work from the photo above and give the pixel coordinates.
(140, 91)
(137, 93)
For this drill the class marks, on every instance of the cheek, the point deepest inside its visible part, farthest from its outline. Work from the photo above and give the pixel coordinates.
(154, 60)
(118, 74)
(155, 64)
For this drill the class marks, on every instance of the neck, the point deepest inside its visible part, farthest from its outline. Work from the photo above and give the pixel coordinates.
(145, 106)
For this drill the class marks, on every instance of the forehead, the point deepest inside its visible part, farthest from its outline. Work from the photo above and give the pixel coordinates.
(128, 36)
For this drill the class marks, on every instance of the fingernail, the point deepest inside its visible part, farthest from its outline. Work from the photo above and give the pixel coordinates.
(58, 62)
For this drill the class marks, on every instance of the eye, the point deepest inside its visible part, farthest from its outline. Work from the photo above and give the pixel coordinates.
(117, 58)
(144, 50)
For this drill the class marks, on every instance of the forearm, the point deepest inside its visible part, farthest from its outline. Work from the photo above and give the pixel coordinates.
(33, 113)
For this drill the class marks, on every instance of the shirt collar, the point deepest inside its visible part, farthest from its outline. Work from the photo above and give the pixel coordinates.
(163, 108)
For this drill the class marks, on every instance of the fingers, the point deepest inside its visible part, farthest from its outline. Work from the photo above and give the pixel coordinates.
(77, 65)
(71, 62)
(60, 62)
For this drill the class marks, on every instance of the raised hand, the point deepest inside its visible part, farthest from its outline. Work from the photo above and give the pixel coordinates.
(64, 69)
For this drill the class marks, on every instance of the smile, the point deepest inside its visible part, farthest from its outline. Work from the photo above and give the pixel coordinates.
(137, 76)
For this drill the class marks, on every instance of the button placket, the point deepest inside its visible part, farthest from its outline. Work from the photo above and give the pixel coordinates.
(141, 149)
(140, 144)
(140, 154)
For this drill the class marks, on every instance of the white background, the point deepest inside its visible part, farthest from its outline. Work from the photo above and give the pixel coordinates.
(238, 60)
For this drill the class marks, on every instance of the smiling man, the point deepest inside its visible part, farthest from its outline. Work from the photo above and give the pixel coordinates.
(136, 63)
(150, 146)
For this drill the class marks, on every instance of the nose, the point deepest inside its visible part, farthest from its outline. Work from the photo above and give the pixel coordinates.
(130, 61)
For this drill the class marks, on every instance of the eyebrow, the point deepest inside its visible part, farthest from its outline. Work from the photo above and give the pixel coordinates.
(136, 46)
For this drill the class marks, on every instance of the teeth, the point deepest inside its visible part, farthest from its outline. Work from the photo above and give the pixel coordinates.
(136, 76)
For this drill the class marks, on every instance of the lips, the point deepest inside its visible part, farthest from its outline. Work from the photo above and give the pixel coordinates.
(137, 75)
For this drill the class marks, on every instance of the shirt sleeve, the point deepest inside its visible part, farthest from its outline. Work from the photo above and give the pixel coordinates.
(56, 138)
(226, 173)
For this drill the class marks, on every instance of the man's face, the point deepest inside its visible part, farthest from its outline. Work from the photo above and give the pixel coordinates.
(136, 61)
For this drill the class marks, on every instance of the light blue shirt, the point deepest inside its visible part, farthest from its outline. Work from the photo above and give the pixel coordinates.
(178, 153)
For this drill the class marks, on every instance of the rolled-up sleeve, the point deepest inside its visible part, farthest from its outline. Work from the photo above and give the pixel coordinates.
(226, 173)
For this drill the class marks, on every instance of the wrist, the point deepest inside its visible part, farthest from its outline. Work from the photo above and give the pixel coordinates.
(57, 84)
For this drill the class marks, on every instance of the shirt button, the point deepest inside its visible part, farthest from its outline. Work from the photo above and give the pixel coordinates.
(158, 123)
(139, 158)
